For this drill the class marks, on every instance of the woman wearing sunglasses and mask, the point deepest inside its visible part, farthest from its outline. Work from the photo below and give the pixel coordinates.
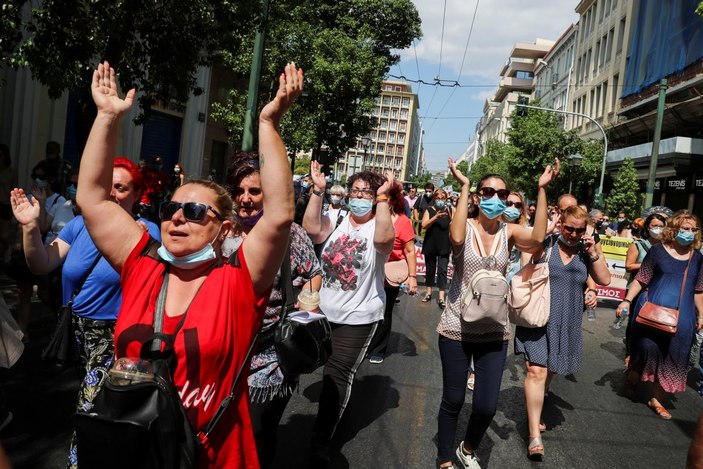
(515, 214)
(212, 308)
(269, 389)
(658, 357)
(486, 344)
(556, 348)
(436, 247)
(95, 308)
(352, 294)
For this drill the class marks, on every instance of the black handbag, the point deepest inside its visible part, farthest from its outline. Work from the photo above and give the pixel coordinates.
(142, 424)
(62, 344)
(301, 347)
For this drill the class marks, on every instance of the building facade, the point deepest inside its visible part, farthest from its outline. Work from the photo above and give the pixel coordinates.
(396, 141)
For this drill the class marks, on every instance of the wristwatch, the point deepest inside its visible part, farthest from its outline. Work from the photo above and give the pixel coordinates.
(316, 192)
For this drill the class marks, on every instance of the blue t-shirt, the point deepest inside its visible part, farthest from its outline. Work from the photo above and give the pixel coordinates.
(101, 296)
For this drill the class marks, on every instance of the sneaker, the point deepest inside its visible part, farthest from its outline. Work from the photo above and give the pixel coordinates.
(376, 359)
(469, 461)
(5, 418)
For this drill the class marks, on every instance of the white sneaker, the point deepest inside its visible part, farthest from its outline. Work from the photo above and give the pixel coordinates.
(469, 461)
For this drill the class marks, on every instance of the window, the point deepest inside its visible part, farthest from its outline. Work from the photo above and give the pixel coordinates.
(384, 125)
(381, 149)
(616, 92)
(396, 100)
(398, 163)
(621, 35)
(609, 47)
(385, 112)
(391, 138)
(386, 100)
(399, 150)
(406, 102)
(394, 113)
(403, 113)
(397, 88)
(389, 88)
(595, 59)
(401, 138)
(604, 97)
(393, 125)
(381, 137)
(402, 126)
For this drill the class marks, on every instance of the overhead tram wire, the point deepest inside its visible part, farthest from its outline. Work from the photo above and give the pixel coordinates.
(463, 60)
(441, 48)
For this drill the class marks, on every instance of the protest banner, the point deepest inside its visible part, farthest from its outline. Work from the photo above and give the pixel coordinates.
(614, 251)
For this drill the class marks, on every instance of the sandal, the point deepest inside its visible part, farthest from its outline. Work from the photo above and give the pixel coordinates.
(660, 410)
(535, 450)
(427, 298)
(441, 304)
(542, 427)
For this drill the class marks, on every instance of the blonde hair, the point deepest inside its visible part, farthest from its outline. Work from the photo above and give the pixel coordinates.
(673, 225)
(574, 212)
(522, 220)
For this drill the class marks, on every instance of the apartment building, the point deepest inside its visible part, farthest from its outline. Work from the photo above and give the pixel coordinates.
(553, 72)
(602, 45)
(396, 141)
(517, 79)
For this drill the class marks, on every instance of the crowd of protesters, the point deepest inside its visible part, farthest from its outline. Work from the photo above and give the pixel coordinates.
(218, 253)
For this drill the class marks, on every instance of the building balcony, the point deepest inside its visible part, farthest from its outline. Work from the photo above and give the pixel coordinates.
(509, 84)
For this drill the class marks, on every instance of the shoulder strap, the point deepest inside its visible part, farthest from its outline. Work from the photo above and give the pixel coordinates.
(643, 243)
(79, 287)
(340, 217)
(496, 240)
(685, 275)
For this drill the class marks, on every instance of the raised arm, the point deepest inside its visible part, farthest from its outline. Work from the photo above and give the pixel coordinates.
(40, 259)
(457, 227)
(111, 228)
(266, 244)
(531, 241)
(384, 233)
(315, 225)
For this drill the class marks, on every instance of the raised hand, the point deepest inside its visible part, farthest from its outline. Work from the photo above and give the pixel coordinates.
(290, 85)
(390, 178)
(104, 90)
(25, 211)
(550, 174)
(463, 180)
(317, 177)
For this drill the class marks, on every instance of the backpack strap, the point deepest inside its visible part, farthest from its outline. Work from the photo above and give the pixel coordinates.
(496, 240)
(340, 217)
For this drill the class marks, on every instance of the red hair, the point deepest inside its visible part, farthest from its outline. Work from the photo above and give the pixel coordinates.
(133, 170)
(395, 198)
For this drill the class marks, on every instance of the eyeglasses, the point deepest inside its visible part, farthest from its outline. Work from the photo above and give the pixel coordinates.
(488, 192)
(571, 229)
(510, 203)
(365, 193)
(41, 177)
(192, 211)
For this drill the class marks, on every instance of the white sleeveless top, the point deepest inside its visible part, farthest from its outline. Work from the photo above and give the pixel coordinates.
(466, 263)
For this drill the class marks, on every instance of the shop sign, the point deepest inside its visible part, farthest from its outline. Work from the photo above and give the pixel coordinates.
(677, 184)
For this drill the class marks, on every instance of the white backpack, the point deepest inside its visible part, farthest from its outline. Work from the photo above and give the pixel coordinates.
(486, 300)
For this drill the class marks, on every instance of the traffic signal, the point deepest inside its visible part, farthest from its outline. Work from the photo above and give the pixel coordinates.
(522, 101)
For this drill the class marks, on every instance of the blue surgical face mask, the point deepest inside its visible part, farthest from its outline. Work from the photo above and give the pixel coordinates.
(190, 261)
(511, 214)
(440, 204)
(251, 221)
(71, 191)
(41, 183)
(492, 207)
(684, 238)
(305, 185)
(566, 242)
(360, 207)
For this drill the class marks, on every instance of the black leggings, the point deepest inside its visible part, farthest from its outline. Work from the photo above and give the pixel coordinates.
(379, 344)
(265, 417)
(489, 361)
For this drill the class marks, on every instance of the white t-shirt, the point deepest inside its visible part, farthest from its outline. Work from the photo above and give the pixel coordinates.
(352, 270)
(62, 211)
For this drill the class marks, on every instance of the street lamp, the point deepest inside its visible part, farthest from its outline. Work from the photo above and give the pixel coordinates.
(598, 200)
(365, 142)
(574, 162)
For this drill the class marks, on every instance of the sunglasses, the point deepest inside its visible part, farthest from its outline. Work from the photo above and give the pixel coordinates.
(510, 203)
(192, 211)
(488, 192)
(571, 229)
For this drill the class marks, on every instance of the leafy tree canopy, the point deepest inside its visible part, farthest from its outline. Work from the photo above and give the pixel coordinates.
(494, 161)
(154, 46)
(625, 194)
(345, 47)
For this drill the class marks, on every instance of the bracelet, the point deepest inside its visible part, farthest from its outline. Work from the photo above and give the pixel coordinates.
(593, 290)
(382, 198)
(412, 275)
(629, 301)
(316, 192)
(595, 258)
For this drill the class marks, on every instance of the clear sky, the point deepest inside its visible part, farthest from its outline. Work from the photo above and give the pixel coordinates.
(468, 41)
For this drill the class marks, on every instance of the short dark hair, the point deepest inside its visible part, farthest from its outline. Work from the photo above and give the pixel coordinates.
(375, 180)
(429, 185)
(655, 216)
(241, 165)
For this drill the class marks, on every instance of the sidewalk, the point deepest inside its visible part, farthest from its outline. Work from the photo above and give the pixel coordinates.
(41, 399)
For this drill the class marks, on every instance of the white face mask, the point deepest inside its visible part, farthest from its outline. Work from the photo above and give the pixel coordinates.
(656, 232)
(335, 199)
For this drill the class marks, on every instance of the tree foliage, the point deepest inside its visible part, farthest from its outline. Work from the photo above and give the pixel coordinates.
(154, 46)
(699, 9)
(419, 180)
(345, 47)
(494, 161)
(625, 194)
(302, 165)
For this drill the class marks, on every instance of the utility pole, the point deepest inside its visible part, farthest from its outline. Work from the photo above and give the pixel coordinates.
(649, 195)
(598, 200)
(254, 79)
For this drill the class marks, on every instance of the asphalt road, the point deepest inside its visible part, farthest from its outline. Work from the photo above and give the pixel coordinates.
(391, 418)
